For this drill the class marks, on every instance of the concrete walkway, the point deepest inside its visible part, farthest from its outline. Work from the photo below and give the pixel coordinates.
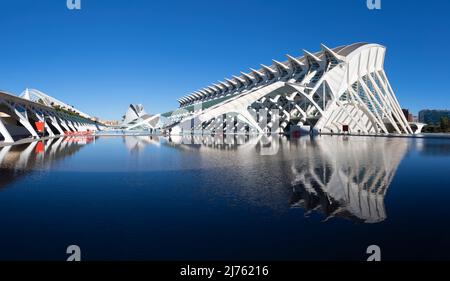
(28, 140)
(418, 136)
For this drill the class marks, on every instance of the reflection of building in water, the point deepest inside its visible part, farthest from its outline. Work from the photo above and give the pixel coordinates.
(337, 176)
(349, 180)
(138, 143)
(16, 161)
(265, 143)
(213, 141)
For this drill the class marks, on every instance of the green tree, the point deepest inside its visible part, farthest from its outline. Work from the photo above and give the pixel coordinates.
(445, 124)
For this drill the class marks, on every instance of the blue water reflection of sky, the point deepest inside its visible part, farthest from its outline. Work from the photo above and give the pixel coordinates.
(151, 199)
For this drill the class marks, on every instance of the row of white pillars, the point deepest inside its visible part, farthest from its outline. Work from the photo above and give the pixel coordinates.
(57, 122)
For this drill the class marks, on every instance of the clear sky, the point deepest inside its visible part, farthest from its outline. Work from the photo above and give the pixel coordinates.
(112, 53)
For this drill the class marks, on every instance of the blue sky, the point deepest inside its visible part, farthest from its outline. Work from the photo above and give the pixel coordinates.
(113, 53)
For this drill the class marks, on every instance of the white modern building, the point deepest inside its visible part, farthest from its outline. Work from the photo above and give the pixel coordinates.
(19, 115)
(137, 119)
(344, 89)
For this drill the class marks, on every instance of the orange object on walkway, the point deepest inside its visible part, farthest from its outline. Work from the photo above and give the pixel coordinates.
(39, 126)
(39, 147)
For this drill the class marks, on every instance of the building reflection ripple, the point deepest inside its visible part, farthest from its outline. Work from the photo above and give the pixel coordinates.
(344, 177)
(349, 179)
(334, 176)
(18, 160)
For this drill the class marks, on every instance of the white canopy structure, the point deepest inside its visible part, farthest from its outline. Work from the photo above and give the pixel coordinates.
(39, 97)
(20, 117)
(136, 118)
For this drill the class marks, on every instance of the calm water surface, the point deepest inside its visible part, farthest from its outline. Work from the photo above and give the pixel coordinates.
(150, 198)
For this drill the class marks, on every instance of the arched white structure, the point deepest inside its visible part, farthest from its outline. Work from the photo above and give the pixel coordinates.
(19, 114)
(331, 91)
(136, 118)
(39, 97)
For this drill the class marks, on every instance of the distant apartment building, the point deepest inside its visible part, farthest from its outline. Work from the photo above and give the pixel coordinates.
(110, 122)
(430, 116)
(408, 115)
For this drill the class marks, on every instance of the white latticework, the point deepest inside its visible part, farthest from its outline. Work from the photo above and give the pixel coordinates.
(334, 90)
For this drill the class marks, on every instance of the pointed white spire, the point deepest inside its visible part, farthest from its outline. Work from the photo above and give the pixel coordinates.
(219, 87)
(26, 94)
(214, 90)
(233, 84)
(203, 93)
(225, 86)
(295, 61)
(194, 96)
(249, 79)
(257, 74)
(330, 52)
(242, 80)
(308, 55)
(282, 69)
(280, 65)
(197, 95)
(268, 69)
(270, 73)
(208, 91)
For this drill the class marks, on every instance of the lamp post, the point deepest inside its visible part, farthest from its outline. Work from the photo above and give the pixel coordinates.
(43, 131)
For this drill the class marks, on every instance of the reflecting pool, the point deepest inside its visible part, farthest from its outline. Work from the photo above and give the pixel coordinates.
(226, 198)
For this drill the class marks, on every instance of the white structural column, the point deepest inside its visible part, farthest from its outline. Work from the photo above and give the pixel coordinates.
(23, 120)
(76, 125)
(391, 96)
(41, 118)
(71, 125)
(64, 124)
(81, 126)
(55, 124)
(6, 135)
(21, 115)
